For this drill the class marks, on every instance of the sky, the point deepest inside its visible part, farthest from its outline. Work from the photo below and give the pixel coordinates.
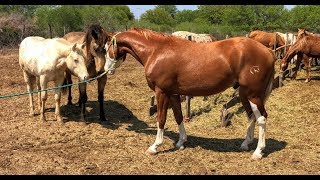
(137, 10)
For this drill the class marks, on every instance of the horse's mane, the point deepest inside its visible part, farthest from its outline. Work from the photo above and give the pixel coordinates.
(147, 33)
(94, 31)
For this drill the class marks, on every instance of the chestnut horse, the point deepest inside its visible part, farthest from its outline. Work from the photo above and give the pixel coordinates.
(175, 66)
(94, 51)
(271, 40)
(306, 48)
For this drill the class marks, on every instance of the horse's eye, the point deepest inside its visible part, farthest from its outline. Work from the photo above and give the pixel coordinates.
(76, 60)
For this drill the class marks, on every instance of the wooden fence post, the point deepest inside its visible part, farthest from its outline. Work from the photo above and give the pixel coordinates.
(188, 99)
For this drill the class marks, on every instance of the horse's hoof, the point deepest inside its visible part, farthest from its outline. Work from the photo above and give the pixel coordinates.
(180, 147)
(43, 119)
(59, 118)
(307, 80)
(186, 119)
(256, 156)
(102, 118)
(150, 152)
(109, 123)
(244, 147)
(31, 115)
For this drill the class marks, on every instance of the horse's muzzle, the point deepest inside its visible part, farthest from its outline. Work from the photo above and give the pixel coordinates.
(111, 72)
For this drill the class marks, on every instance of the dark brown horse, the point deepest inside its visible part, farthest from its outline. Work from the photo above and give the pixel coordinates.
(175, 66)
(306, 47)
(94, 51)
(271, 40)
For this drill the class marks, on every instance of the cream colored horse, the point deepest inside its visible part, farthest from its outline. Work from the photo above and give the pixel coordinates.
(195, 37)
(47, 60)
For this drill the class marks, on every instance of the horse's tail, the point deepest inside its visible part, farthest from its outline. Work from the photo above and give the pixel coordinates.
(269, 85)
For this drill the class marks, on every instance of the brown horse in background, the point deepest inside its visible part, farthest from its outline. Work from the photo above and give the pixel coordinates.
(94, 51)
(175, 66)
(269, 39)
(306, 47)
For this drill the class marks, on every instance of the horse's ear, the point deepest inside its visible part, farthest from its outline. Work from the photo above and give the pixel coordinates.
(82, 46)
(74, 47)
(108, 35)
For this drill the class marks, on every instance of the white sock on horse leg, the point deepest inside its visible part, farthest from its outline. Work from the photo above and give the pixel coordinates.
(182, 136)
(158, 141)
(261, 121)
(250, 134)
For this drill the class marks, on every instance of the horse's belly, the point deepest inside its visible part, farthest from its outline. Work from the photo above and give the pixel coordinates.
(198, 89)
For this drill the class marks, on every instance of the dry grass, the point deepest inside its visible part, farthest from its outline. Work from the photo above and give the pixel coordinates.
(31, 147)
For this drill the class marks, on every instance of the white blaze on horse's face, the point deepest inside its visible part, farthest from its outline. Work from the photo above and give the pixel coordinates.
(111, 63)
(76, 62)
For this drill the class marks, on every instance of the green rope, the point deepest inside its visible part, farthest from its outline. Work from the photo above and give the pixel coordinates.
(48, 89)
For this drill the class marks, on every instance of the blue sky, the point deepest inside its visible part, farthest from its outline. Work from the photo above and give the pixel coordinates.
(137, 10)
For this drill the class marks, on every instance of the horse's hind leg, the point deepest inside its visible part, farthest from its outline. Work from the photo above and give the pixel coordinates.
(162, 107)
(261, 115)
(176, 108)
(101, 84)
(250, 130)
(44, 95)
(39, 93)
(29, 79)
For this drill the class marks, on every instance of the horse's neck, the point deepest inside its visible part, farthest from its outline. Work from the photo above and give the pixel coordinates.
(295, 49)
(139, 47)
(63, 49)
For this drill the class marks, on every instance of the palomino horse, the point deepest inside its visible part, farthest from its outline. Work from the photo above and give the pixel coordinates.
(175, 66)
(306, 47)
(47, 60)
(270, 40)
(94, 51)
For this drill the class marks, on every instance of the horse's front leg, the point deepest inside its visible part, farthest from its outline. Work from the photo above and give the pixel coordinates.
(176, 108)
(101, 84)
(162, 107)
(83, 100)
(57, 98)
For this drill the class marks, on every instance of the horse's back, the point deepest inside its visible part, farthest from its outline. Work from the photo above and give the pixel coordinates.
(37, 54)
(75, 37)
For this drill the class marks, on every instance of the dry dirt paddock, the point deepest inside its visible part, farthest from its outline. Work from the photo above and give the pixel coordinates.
(28, 146)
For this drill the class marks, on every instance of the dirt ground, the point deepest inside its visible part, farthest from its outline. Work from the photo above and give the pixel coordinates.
(28, 146)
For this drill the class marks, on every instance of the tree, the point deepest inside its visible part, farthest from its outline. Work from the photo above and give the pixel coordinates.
(158, 16)
(185, 16)
(171, 9)
(306, 16)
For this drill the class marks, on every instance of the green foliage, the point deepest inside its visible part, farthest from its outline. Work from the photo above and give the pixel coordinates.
(305, 17)
(197, 26)
(158, 16)
(171, 9)
(185, 16)
(219, 20)
(26, 10)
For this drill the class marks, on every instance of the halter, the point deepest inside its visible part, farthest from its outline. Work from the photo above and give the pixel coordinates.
(113, 42)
